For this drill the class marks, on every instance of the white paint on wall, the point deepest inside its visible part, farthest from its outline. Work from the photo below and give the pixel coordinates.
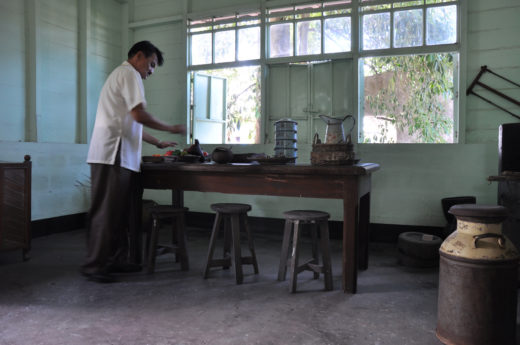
(59, 166)
(407, 189)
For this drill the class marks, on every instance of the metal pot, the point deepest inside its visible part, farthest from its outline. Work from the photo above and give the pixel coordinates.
(222, 155)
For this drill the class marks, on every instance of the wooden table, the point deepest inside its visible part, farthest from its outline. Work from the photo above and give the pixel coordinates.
(350, 183)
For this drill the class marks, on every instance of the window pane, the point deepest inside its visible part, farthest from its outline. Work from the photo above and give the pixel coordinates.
(201, 49)
(308, 35)
(249, 44)
(225, 46)
(281, 40)
(409, 99)
(337, 35)
(376, 31)
(408, 28)
(235, 99)
(441, 25)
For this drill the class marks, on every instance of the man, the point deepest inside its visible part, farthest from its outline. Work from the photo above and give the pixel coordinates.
(115, 156)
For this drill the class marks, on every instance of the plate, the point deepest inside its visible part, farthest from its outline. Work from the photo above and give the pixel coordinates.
(273, 160)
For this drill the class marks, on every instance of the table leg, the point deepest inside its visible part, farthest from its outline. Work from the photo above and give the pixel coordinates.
(177, 198)
(364, 230)
(350, 237)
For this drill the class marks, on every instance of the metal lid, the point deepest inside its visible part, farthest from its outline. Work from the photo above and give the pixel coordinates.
(479, 213)
(285, 120)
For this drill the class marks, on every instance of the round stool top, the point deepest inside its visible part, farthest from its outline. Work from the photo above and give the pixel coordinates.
(479, 213)
(306, 215)
(231, 208)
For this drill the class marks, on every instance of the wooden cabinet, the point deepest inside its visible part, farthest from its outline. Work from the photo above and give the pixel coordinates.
(15, 206)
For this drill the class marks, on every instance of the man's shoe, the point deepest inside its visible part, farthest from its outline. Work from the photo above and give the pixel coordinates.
(124, 268)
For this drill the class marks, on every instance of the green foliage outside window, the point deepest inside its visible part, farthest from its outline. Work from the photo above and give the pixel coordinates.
(415, 98)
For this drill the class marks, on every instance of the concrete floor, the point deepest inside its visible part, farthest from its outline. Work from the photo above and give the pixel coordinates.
(46, 301)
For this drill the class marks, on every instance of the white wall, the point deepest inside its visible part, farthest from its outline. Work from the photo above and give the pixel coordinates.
(58, 153)
(407, 189)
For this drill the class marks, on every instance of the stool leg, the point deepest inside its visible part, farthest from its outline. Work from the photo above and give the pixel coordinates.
(181, 242)
(227, 239)
(294, 256)
(325, 249)
(174, 237)
(250, 240)
(315, 255)
(150, 267)
(235, 231)
(148, 235)
(212, 240)
(282, 269)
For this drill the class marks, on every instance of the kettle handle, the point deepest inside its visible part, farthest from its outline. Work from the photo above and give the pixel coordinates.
(353, 122)
(500, 239)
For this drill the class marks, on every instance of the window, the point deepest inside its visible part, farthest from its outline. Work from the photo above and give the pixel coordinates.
(224, 70)
(317, 28)
(406, 55)
(409, 98)
(408, 71)
(225, 105)
(224, 39)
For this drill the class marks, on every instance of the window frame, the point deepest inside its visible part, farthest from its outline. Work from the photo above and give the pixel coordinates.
(293, 11)
(216, 24)
(457, 47)
(354, 11)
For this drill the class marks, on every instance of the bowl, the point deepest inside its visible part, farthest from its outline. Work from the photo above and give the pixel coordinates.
(221, 155)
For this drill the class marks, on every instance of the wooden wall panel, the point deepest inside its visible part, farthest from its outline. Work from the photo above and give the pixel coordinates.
(493, 29)
(12, 69)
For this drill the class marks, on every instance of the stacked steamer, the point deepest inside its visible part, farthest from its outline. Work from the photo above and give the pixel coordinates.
(285, 135)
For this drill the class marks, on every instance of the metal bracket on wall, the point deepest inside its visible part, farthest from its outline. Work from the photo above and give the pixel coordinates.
(477, 81)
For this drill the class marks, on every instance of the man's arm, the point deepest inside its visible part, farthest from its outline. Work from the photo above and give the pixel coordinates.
(146, 119)
(150, 139)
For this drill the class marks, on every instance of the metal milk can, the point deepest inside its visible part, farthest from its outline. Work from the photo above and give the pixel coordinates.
(334, 133)
(477, 279)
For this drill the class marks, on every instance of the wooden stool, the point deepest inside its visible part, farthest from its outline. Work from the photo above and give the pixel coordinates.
(178, 244)
(235, 219)
(315, 219)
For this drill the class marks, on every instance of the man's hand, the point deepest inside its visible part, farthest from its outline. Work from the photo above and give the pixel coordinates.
(178, 129)
(165, 144)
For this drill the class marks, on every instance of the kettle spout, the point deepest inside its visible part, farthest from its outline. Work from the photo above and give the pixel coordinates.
(325, 118)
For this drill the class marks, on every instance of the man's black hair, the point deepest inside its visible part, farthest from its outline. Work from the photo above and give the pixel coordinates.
(148, 49)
